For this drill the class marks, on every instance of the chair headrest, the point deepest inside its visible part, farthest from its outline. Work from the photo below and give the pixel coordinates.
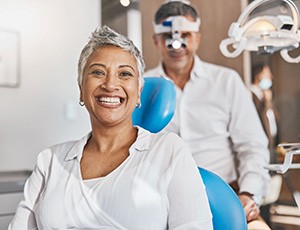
(158, 99)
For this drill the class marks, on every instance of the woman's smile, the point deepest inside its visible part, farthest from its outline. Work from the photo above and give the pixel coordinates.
(110, 100)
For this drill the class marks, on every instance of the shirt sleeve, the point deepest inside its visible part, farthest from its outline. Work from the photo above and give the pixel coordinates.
(24, 217)
(188, 202)
(249, 142)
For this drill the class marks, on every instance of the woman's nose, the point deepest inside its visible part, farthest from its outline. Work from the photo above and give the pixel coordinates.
(110, 83)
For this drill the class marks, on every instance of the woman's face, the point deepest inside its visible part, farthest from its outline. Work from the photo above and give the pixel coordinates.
(110, 87)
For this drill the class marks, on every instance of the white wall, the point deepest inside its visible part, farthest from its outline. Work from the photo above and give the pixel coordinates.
(32, 116)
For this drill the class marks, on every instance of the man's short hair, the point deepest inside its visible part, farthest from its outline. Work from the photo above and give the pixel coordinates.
(175, 8)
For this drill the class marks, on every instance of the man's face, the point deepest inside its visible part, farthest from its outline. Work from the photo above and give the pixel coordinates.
(178, 58)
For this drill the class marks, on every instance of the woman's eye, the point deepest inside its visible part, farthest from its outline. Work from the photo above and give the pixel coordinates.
(126, 74)
(97, 72)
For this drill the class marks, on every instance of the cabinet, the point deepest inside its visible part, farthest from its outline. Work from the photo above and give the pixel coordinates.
(9, 202)
(11, 193)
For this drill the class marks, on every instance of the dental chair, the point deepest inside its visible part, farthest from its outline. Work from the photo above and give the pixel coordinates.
(158, 105)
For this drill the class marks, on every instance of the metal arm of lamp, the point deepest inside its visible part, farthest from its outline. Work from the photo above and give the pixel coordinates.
(292, 149)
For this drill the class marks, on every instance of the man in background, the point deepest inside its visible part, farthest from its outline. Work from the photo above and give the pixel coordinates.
(214, 112)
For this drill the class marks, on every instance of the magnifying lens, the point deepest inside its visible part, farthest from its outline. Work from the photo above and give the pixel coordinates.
(175, 25)
(176, 41)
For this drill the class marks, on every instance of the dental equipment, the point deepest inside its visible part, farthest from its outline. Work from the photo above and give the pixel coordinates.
(292, 149)
(175, 25)
(264, 34)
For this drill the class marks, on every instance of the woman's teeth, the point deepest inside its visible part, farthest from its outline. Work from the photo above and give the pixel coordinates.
(109, 100)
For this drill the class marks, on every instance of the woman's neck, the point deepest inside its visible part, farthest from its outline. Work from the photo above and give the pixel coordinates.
(106, 150)
(107, 140)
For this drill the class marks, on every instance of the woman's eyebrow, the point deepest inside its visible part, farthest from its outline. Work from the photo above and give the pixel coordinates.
(96, 64)
(128, 66)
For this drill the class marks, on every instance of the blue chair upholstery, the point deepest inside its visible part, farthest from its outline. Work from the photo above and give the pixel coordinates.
(158, 105)
(226, 208)
(157, 109)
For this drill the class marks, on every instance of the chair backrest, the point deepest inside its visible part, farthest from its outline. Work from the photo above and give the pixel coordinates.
(158, 105)
(226, 208)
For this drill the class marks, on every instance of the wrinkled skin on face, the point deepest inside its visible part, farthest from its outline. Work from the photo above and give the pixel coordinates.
(110, 87)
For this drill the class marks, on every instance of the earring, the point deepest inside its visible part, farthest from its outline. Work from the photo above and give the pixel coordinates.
(138, 105)
(81, 103)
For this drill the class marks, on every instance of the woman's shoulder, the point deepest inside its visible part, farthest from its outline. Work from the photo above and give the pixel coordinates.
(61, 151)
(159, 137)
(59, 147)
(167, 136)
(169, 143)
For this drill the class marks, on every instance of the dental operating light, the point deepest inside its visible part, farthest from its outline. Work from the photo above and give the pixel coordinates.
(264, 34)
(175, 25)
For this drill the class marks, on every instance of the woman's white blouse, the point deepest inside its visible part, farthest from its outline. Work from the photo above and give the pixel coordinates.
(157, 187)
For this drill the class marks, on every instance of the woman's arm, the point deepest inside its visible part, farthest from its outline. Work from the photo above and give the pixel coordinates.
(24, 217)
(189, 207)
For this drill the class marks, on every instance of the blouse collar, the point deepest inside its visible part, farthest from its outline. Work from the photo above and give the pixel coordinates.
(141, 144)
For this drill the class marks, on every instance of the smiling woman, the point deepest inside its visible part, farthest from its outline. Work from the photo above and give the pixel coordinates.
(110, 86)
(118, 176)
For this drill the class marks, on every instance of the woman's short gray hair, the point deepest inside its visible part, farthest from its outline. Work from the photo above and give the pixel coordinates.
(106, 36)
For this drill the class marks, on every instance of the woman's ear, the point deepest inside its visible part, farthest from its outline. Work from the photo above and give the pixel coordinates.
(139, 96)
(80, 94)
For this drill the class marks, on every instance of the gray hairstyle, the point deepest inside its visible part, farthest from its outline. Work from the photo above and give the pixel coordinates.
(106, 36)
(175, 8)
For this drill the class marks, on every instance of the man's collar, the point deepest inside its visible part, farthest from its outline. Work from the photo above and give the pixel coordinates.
(198, 70)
